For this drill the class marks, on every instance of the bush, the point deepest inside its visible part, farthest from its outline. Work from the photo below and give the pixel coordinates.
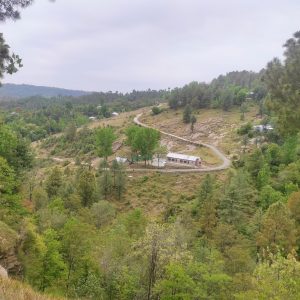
(245, 129)
(156, 110)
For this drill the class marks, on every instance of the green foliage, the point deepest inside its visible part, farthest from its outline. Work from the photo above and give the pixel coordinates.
(281, 79)
(70, 132)
(102, 213)
(187, 114)
(238, 204)
(277, 230)
(53, 182)
(86, 187)
(77, 239)
(7, 178)
(277, 277)
(245, 129)
(193, 121)
(104, 139)
(143, 141)
(156, 110)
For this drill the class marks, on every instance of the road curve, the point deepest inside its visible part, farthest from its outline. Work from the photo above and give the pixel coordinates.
(225, 165)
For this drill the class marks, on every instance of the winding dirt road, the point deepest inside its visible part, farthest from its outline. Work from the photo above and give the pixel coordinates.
(225, 165)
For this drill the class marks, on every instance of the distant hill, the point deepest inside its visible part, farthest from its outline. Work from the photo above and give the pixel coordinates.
(9, 90)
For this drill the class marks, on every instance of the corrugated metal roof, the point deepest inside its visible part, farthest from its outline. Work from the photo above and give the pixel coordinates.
(182, 156)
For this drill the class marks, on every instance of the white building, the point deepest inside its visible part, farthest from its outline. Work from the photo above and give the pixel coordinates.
(92, 118)
(262, 128)
(183, 159)
(114, 114)
(122, 160)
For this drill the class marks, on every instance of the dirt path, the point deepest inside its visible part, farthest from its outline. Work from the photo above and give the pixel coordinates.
(225, 165)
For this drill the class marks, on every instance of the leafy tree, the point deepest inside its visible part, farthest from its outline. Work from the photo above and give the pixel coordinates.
(9, 9)
(39, 198)
(276, 277)
(187, 114)
(254, 163)
(193, 121)
(238, 204)
(120, 181)
(294, 206)
(7, 178)
(160, 151)
(177, 284)
(77, 240)
(143, 141)
(282, 80)
(105, 181)
(54, 182)
(104, 139)
(86, 187)
(243, 110)
(263, 176)
(277, 230)
(102, 213)
(31, 254)
(206, 189)
(268, 196)
(156, 110)
(53, 266)
(70, 132)
(227, 98)
(157, 249)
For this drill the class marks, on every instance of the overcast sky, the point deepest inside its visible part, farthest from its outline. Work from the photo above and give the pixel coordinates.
(121, 45)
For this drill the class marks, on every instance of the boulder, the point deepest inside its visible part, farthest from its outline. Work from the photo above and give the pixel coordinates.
(3, 272)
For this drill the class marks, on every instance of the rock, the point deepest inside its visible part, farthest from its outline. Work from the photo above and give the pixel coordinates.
(3, 272)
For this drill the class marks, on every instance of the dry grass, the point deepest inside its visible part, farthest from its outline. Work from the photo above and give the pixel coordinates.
(153, 192)
(15, 290)
(213, 126)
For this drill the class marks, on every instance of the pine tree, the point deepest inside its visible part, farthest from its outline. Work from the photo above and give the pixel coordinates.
(238, 204)
(277, 230)
(187, 113)
(86, 187)
(54, 182)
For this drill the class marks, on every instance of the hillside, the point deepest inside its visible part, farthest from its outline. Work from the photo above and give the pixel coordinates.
(11, 289)
(9, 90)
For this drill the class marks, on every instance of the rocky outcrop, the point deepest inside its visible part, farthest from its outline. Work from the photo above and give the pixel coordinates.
(3, 272)
(9, 240)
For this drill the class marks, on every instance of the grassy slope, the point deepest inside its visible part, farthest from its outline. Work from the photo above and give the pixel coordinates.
(15, 290)
(213, 126)
(154, 192)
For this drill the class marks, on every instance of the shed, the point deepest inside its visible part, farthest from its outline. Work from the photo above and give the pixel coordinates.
(114, 114)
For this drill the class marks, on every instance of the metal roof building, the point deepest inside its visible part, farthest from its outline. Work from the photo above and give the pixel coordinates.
(183, 159)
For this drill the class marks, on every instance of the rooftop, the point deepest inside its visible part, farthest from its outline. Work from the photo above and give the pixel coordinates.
(182, 156)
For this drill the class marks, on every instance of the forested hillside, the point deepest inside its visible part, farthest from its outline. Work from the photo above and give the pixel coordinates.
(88, 212)
(9, 90)
(74, 230)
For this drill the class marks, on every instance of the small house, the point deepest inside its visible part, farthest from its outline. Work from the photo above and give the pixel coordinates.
(183, 159)
(262, 128)
(122, 160)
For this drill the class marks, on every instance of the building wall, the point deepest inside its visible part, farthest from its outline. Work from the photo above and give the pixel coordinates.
(184, 162)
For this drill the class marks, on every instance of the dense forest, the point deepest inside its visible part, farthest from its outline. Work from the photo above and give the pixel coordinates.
(72, 231)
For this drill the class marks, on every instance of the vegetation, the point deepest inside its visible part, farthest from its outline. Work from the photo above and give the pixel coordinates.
(81, 232)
